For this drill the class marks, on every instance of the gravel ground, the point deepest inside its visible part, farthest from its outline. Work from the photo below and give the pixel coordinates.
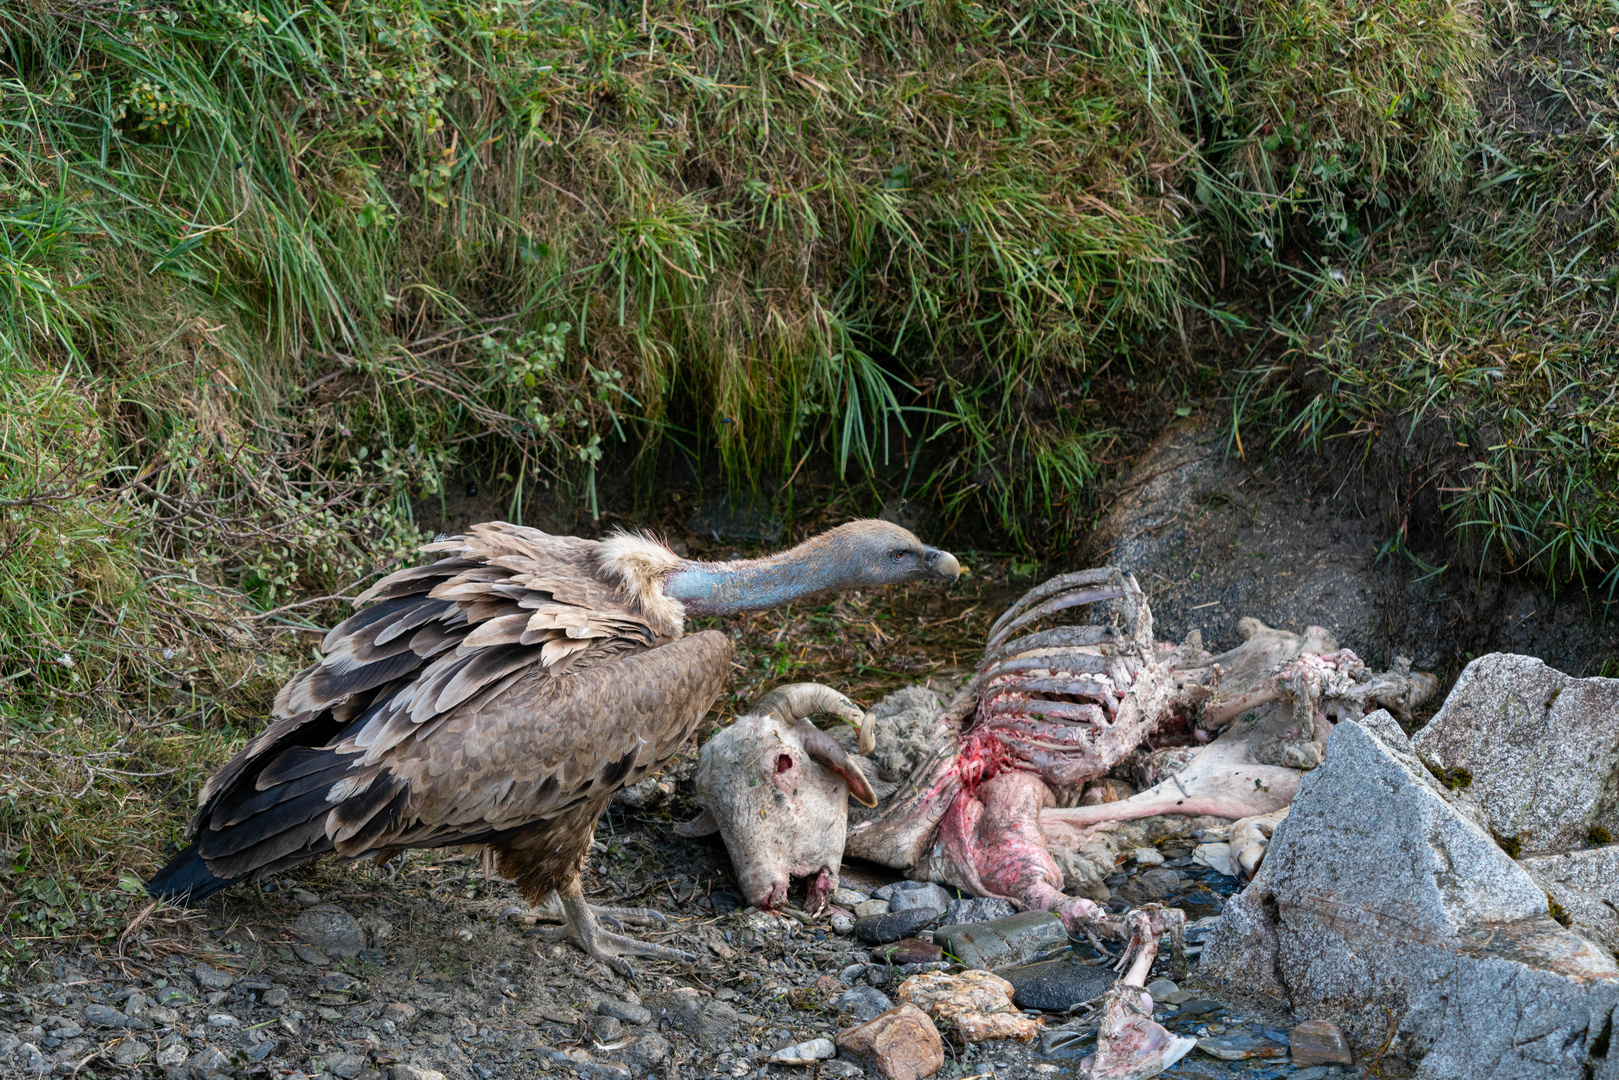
(350, 972)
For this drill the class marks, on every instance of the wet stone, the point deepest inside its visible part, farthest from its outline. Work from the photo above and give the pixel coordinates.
(1194, 1007)
(332, 930)
(864, 1002)
(978, 909)
(1241, 1046)
(881, 929)
(1057, 985)
(906, 895)
(1003, 942)
(1319, 1042)
(909, 951)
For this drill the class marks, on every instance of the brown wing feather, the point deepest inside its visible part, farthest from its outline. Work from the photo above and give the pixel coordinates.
(466, 668)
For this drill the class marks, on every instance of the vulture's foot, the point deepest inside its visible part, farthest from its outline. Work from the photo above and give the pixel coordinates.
(582, 927)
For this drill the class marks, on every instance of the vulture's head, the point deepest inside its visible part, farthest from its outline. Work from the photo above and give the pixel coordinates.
(874, 552)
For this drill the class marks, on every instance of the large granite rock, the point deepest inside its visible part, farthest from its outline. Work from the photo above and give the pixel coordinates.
(1380, 904)
(1538, 750)
(1585, 884)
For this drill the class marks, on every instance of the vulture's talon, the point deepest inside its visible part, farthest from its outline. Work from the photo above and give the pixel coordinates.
(582, 927)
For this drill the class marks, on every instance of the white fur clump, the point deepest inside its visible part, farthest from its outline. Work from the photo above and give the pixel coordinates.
(639, 563)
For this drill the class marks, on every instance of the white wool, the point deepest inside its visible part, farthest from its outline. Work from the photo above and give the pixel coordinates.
(640, 563)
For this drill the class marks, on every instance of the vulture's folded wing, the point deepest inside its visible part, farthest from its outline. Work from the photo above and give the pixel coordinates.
(502, 655)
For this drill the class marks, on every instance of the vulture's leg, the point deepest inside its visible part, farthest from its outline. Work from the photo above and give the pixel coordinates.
(581, 928)
(618, 917)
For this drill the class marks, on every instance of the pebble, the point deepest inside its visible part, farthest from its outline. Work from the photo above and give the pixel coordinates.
(1161, 989)
(1158, 882)
(1146, 856)
(210, 978)
(209, 1061)
(275, 997)
(709, 1022)
(1319, 1042)
(908, 895)
(1240, 1046)
(102, 1016)
(881, 929)
(849, 974)
(258, 1053)
(804, 1053)
(846, 897)
(1057, 985)
(29, 1058)
(172, 995)
(867, 908)
(909, 951)
(412, 1072)
(864, 1002)
(900, 1044)
(311, 955)
(623, 1010)
(130, 1051)
(332, 930)
(173, 1054)
(978, 909)
(1194, 1006)
(305, 897)
(223, 1020)
(1319, 1072)
(1003, 942)
(878, 974)
(348, 1066)
(841, 923)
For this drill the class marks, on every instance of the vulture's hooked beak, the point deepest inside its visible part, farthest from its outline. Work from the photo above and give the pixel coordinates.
(941, 564)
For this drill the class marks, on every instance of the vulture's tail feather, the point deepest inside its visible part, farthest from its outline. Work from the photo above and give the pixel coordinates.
(186, 879)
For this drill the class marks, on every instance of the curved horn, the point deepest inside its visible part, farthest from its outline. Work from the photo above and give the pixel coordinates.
(820, 746)
(795, 701)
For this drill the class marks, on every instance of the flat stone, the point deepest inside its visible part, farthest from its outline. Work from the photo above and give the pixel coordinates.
(1194, 1007)
(69, 1031)
(846, 897)
(275, 997)
(906, 895)
(623, 1010)
(867, 908)
(1380, 896)
(211, 978)
(709, 1022)
(1161, 989)
(1057, 985)
(103, 1016)
(172, 995)
(348, 1066)
(175, 1053)
(1241, 1046)
(331, 929)
(130, 1051)
(223, 1020)
(646, 1051)
(309, 954)
(978, 909)
(803, 1053)
(415, 1072)
(1534, 747)
(864, 1002)
(1003, 942)
(259, 1051)
(881, 929)
(1319, 1042)
(336, 982)
(900, 1044)
(908, 951)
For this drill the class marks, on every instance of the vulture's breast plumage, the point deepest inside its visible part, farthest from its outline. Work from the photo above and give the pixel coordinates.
(499, 695)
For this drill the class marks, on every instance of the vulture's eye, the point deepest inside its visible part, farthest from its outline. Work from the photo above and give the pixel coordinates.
(783, 763)
(900, 555)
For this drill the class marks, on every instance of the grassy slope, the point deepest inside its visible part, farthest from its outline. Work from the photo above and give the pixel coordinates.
(270, 269)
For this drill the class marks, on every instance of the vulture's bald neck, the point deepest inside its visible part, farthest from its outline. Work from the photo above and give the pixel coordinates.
(819, 565)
